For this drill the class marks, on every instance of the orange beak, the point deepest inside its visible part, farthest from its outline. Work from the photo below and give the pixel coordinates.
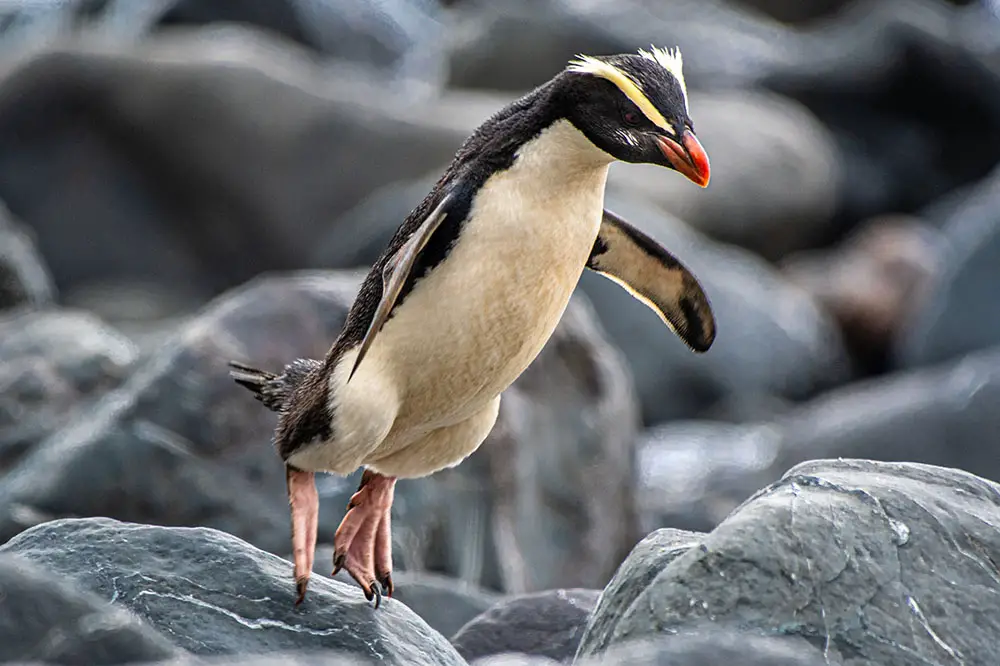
(687, 157)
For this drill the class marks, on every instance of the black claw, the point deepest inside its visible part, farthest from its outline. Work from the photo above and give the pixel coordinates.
(300, 590)
(338, 563)
(386, 581)
(376, 592)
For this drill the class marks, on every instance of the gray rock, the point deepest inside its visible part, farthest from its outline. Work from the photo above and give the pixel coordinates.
(187, 203)
(958, 315)
(711, 646)
(179, 443)
(519, 44)
(44, 618)
(24, 277)
(444, 603)
(866, 71)
(871, 562)
(546, 624)
(553, 483)
(214, 594)
(775, 174)
(54, 365)
(649, 557)
(772, 339)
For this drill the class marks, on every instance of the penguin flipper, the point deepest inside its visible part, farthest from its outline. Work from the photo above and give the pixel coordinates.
(397, 270)
(651, 274)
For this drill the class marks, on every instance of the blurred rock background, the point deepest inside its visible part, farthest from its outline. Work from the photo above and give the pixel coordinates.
(187, 181)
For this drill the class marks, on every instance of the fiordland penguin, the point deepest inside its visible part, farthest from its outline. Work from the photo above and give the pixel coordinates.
(470, 288)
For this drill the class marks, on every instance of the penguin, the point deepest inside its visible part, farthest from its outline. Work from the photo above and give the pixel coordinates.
(470, 288)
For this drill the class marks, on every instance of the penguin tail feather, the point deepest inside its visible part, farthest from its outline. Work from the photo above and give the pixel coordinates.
(265, 386)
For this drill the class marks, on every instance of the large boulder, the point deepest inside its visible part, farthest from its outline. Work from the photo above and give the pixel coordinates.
(202, 195)
(773, 338)
(54, 365)
(214, 594)
(45, 618)
(870, 562)
(545, 624)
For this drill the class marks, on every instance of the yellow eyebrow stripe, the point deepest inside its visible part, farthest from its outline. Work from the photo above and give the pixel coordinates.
(589, 65)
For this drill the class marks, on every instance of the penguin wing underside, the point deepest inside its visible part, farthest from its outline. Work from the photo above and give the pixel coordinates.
(654, 276)
(396, 271)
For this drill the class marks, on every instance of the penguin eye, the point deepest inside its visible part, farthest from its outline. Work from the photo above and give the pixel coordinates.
(631, 118)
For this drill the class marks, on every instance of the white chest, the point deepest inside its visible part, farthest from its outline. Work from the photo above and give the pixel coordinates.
(477, 321)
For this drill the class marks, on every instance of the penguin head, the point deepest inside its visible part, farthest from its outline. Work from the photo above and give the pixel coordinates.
(635, 108)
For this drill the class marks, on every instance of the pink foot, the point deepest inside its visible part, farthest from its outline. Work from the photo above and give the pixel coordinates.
(304, 502)
(363, 542)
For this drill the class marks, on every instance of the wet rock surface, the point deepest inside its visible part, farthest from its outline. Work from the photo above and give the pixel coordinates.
(211, 593)
(545, 624)
(871, 562)
(44, 617)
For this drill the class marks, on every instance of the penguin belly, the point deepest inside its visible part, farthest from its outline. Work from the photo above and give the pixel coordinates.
(473, 324)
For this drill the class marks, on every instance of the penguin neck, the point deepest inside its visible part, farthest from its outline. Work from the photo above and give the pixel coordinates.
(561, 154)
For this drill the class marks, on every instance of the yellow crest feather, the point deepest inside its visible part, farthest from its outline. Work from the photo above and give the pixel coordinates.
(590, 65)
(670, 60)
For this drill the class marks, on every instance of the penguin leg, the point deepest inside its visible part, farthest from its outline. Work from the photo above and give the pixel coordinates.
(363, 542)
(304, 503)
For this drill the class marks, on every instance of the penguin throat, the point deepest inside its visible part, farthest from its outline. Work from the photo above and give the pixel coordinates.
(562, 149)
